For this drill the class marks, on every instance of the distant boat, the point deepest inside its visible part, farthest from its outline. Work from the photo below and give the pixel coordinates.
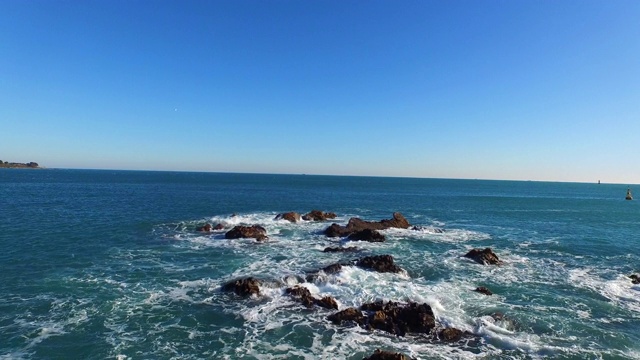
(629, 197)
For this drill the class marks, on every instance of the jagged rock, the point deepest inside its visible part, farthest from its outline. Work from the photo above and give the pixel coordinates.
(218, 227)
(386, 355)
(317, 215)
(243, 287)
(635, 278)
(379, 263)
(327, 302)
(347, 315)
(256, 231)
(205, 228)
(483, 290)
(392, 317)
(356, 224)
(484, 257)
(450, 334)
(303, 294)
(289, 216)
(331, 269)
(367, 235)
(341, 249)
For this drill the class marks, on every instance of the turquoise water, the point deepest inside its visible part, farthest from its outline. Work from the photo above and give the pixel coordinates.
(107, 264)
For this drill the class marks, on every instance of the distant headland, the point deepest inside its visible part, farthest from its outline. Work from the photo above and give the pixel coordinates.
(29, 165)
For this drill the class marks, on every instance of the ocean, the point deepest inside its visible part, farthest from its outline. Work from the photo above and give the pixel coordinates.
(101, 264)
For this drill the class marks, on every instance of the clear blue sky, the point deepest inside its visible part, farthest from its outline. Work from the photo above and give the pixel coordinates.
(540, 90)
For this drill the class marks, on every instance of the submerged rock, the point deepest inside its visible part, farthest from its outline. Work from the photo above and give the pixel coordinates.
(205, 228)
(218, 227)
(289, 216)
(635, 278)
(367, 235)
(243, 287)
(392, 317)
(386, 355)
(356, 224)
(341, 249)
(484, 257)
(317, 215)
(256, 231)
(379, 263)
(483, 290)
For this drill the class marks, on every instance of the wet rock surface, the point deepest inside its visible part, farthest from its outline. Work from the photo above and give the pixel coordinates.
(484, 256)
(289, 216)
(635, 278)
(483, 290)
(255, 231)
(340, 249)
(379, 263)
(243, 287)
(450, 334)
(317, 215)
(367, 235)
(356, 224)
(204, 228)
(386, 355)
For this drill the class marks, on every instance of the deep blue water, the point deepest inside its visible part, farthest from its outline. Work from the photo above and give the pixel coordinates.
(107, 264)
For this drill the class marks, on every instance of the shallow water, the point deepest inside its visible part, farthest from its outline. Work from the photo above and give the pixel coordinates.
(107, 264)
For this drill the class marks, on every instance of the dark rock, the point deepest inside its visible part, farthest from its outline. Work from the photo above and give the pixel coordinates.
(386, 355)
(356, 224)
(635, 278)
(484, 257)
(367, 235)
(327, 302)
(289, 216)
(205, 228)
(450, 334)
(218, 227)
(399, 319)
(341, 249)
(347, 315)
(379, 263)
(332, 269)
(483, 290)
(256, 231)
(243, 287)
(303, 294)
(429, 229)
(317, 215)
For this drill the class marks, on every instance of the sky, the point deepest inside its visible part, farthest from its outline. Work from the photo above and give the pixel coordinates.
(480, 89)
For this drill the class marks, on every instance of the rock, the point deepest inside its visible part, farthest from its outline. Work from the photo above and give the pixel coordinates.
(256, 231)
(317, 215)
(303, 294)
(450, 334)
(483, 290)
(399, 319)
(356, 224)
(332, 269)
(205, 228)
(341, 249)
(243, 287)
(218, 227)
(386, 355)
(327, 302)
(635, 278)
(347, 315)
(367, 235)
(290, 216)
(379, 263)
(428, 229)
(484, 257)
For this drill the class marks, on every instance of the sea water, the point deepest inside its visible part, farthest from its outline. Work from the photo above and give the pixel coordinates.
(108, 265)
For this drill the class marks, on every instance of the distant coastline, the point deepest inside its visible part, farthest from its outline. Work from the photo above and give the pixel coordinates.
(12, 165)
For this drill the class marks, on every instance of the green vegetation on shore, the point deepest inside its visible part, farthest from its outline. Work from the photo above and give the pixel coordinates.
(29, 165)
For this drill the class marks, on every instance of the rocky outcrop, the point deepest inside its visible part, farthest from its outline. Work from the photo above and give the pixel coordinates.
(635, 278)
(379, 263)
(29, 165)
(243, 287)
(256, 231)
(289, 216)
(386, 355)
(484, 257)
(304, 296)
(483, 290)
(356, 224)
(392, 317)
(367, 235)
(340, 249)
(317, 215)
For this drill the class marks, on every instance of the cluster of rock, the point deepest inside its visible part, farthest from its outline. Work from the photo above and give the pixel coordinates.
(29, 165)
(393, 317)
